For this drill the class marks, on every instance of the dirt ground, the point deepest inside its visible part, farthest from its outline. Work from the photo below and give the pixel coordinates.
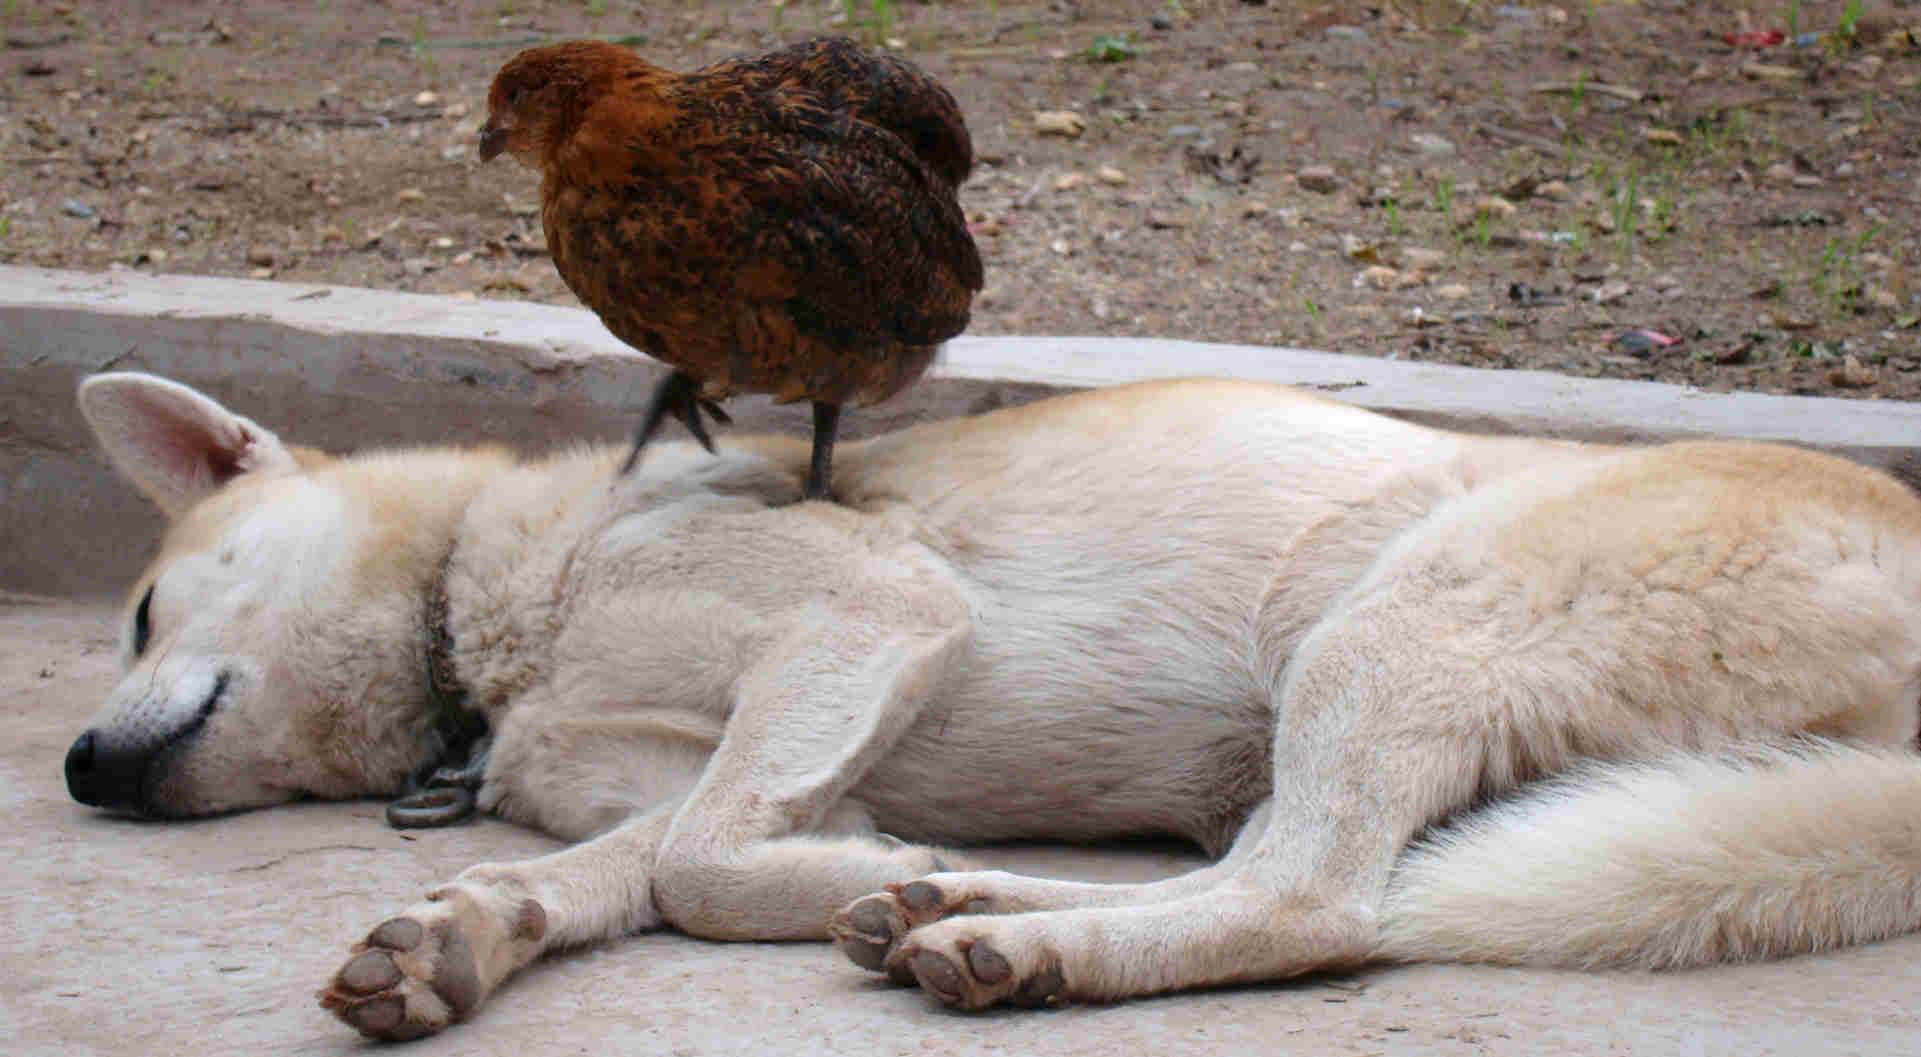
(210, 937)
(1493, 185)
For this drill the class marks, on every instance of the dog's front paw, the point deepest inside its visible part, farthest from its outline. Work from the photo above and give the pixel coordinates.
(415, 974)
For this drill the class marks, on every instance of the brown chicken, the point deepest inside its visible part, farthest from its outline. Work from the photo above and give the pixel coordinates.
(784, 223)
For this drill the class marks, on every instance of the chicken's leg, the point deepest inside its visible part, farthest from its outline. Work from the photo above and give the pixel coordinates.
(820, 470)
(677, 395)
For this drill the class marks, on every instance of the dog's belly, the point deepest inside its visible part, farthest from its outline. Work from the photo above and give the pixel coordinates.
(1012, 758)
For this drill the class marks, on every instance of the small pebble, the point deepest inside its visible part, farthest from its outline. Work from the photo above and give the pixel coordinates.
(74, 207)
(1852, 374)
(1381, 277)
(1609, 292)
(1493, 206)
(1111, 176)
(1065, 123)
(1318, 178)
(1423, 260)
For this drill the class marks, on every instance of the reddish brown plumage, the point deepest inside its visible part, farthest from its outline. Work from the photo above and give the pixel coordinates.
(784, 223)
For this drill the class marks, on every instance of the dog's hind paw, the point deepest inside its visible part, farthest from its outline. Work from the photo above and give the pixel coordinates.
(964, 969)
(415, 974)
(869, 929)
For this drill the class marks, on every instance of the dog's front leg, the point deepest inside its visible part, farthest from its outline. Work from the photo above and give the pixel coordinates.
(810, 717)
(441, 958)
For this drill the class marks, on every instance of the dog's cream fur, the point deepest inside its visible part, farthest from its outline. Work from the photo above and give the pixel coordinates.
(1664, 698)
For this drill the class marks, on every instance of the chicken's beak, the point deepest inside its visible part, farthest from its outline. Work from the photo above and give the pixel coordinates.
(493, 140)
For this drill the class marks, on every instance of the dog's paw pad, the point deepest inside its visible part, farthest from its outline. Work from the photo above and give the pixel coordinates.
(397, 934)
(871, 928)
(1041, 989)
(923, 898)
(973, 974)
(370, 972)
(405, 980)
(867, 930)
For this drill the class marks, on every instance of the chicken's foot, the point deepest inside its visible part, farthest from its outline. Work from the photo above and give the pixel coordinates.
(820, 470)
(678, 395)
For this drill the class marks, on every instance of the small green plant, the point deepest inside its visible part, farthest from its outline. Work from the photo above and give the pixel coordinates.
(1837, 275)
(1577, 95)
(1394, 217)
(1793, 15)
(1110, 49)
(878, 26)
(1482, 234)
(1444, 199)
(1665, 215)
(1313, 308)
(1843, 36)
(596, 8)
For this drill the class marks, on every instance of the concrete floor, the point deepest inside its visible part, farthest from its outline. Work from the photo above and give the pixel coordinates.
(211, 937)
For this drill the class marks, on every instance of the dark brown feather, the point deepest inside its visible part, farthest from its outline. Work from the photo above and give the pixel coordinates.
(785, 223)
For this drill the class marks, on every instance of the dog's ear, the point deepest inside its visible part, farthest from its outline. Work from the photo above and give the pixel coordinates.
(173, 443)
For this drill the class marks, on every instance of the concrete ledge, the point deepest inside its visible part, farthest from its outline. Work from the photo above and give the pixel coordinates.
(344, 368)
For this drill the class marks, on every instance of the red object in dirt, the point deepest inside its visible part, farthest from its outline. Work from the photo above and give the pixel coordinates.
(1757, 38)
(1641, 342)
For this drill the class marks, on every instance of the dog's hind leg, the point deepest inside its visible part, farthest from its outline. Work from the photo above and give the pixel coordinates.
(869, 929)
(1377, 734)
(1457, 670)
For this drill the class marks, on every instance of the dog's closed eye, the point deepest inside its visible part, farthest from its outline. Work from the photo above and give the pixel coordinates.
(142, 623)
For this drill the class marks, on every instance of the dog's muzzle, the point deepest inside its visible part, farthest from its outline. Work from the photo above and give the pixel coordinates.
(99, 777)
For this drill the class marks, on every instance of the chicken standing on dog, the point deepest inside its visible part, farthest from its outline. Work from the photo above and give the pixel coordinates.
(784, 223)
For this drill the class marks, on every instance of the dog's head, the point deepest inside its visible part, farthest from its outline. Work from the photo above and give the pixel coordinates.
(273, 648)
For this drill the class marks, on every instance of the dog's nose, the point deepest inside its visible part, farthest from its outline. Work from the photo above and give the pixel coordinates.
(102, 779)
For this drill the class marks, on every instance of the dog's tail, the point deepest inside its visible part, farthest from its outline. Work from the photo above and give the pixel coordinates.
(1683, 861)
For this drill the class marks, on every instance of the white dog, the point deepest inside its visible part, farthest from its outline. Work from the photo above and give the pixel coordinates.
(1662, 699)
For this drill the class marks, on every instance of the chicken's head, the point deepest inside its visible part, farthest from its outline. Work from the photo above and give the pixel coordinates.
(539, 97)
